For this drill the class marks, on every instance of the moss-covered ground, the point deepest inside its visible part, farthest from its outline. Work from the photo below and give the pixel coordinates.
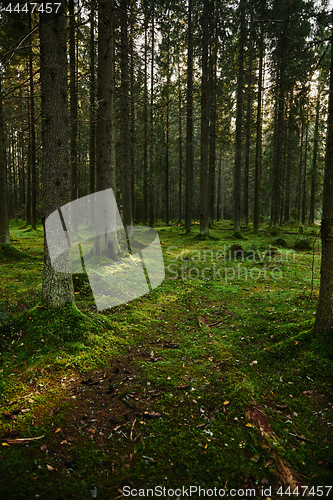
(212, 380)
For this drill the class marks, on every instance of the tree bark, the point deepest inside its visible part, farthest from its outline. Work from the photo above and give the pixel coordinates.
(247, 143)
(4, 221)
(189, 123)
(204, 223)
(180, 150)
(239, 124)
(32, 138)
(324, 316)
(257, 171)
(314, 162)
(57, 287)
(73, 106)
(124, 117)
(92, 109)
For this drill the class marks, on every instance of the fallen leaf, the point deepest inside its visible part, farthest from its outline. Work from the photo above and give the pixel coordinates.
(43, 447)
(248, 425)
(253, 362)
(226, 403)
(49, 467)
(57, 430)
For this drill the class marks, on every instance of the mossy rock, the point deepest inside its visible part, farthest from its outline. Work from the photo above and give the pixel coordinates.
(280, 242)
(302, 243)
(236, 251)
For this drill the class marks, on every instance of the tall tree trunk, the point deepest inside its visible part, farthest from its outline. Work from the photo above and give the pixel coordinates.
(189, 123)
(247, 142)
(92, 109)
(204, 223)
(4, 221)
(180, 151)
(314, 162)
(28, 172)
(304, 174)
(299, 183)
(145, 121)
(167, 112)
(278, 150)
(151, 122)
(57, 287)
(288, 162)
(124, 117)
(132, 111)
(239, 123)
(212, 123)
(73, 106)
(32, 137)
(324, 316)
(257, 170)
(105, 162)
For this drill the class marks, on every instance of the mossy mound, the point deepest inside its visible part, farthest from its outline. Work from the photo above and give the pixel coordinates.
(302, 243)
(8, 253)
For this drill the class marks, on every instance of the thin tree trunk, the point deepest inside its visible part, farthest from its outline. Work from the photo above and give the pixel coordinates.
(304, 175)
(57, 287)
(180, 152)
(314, 163)
(124, 117)
(152, 135)
(167, 111)
(212, 125)
(28, 172)
(204, 223)
(73, 107)
(189, 124)
(4, 221)
(288, 163)
(247, 143)
(299, 184)
(257, 170)
(32, 138)
(92, 109)
(324, 316)
(239, 124)
(145, 123)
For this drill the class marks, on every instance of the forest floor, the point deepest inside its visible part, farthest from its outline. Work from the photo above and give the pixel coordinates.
(213, 380)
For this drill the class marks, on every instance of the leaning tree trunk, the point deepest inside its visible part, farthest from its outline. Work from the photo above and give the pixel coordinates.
(57, 287)
(324, 316)
(4, 221)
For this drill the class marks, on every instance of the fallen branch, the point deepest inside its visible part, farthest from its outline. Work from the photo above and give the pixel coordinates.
(21, 440)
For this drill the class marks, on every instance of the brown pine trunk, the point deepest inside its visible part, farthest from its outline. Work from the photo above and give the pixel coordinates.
(73, 107)
(324, 316)
(124, 117)
(92, 109)
(239, 124)
(314, 163)
(32, 138)
(57, 287)
(204, 224)
(4, 221)
(257, 171)
(189, 124)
